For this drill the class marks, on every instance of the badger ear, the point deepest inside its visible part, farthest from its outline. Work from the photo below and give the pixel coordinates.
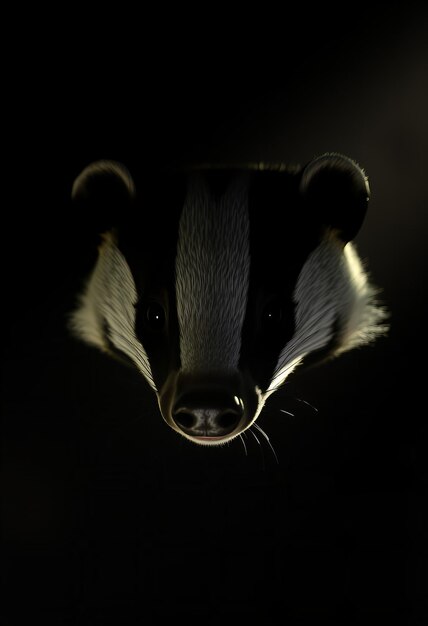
(100, 179)
(336, 191)
(103, 190)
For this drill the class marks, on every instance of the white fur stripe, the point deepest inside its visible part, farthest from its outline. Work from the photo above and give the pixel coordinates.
(108, 305)
(212, 277)
(332, 287)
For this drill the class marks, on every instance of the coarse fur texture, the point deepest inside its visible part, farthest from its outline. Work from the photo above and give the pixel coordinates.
(106, 314)
(212, 277)
(332, 289)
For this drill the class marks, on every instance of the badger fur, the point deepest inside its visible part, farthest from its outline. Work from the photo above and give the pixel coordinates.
(218, 283)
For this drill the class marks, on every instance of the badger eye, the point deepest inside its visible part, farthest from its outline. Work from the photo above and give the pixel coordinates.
(155, 316)
(272, 314)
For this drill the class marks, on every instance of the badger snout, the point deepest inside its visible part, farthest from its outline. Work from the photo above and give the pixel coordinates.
(208, 409)
(208, 415)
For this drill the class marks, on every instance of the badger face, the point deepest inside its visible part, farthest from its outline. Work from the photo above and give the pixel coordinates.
(220, 282)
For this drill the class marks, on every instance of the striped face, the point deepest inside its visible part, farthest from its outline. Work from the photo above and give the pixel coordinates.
(243, 275)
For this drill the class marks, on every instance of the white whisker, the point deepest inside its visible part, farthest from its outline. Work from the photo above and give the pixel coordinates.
(243, 443)
(288, 412)
(308, 403)
(267, 439)
(261, 447)
(255, 437)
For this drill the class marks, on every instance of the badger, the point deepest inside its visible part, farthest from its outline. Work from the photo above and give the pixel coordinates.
(217, 282)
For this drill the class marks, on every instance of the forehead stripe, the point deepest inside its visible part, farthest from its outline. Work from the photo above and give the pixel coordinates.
(212, 276)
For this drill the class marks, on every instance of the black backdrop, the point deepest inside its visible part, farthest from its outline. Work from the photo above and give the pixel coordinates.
(108, 516)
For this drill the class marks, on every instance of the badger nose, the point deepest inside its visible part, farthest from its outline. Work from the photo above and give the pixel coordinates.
(207, 416)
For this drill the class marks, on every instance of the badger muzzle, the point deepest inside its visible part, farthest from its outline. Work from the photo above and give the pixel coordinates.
(209, 408)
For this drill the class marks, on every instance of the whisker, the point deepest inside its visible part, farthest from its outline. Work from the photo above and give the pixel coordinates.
(243, 443)
(261, 447)
(255, 437)
(288, 412)
(267, 439)
(308, 403)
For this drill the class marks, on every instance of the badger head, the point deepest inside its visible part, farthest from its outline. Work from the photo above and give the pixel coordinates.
(217, 283)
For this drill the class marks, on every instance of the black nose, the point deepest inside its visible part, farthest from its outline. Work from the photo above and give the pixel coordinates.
(207, 415)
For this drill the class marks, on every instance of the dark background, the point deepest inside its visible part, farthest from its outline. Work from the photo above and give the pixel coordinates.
(108, 516)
